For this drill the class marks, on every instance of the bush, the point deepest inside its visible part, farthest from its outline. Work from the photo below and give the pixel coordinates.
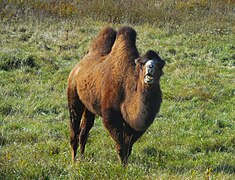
(11, 62)
(162, 13)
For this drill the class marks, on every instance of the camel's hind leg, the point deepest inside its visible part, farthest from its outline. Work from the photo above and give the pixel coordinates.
(76, 109)
(86, 125)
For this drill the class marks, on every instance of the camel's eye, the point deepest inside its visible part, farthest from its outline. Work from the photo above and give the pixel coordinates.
(139, 63)
(162, 64)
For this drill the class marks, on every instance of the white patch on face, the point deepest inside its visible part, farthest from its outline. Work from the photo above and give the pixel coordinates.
(150, 67)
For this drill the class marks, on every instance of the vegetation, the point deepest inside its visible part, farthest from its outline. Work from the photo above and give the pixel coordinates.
(193, 135)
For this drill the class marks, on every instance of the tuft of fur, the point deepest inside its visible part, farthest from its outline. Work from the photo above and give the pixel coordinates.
(150, 54)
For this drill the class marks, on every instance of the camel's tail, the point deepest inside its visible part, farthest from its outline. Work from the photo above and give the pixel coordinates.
(104, 41)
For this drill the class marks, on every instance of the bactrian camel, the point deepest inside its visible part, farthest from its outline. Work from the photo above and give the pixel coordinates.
(113, 81)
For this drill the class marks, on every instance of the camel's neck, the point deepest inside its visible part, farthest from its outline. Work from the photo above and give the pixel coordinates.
(141, 106)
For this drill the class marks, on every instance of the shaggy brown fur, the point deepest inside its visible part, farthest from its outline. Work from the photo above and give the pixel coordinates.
(109, 83)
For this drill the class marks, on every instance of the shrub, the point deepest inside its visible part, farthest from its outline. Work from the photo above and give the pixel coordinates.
(162, 13)
(11, 62)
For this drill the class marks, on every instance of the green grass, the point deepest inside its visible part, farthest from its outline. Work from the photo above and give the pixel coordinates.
(193, 137)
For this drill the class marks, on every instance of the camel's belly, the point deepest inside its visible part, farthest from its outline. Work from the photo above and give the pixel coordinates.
(90, 96)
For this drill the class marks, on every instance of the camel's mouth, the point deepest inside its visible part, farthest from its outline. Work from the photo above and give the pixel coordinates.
(148, 79)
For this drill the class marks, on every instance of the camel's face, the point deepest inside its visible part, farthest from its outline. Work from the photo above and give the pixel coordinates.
(150, 70)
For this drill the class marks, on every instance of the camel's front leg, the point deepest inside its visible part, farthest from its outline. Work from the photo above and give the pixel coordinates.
(130, 137)
(113, 122)
(127, 148)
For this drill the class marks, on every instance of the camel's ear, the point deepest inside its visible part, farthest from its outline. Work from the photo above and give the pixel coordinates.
(162, 64)
(138, 61)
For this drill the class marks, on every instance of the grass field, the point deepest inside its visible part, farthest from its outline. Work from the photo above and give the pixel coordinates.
(193, 136)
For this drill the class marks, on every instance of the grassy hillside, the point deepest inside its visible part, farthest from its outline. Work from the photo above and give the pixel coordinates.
(193, 137)
(174, 15)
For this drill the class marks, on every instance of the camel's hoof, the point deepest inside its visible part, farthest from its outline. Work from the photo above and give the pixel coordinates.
(124, 162)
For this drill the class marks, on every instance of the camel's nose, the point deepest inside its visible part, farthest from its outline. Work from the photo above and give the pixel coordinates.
(150, 70)
(150, 67)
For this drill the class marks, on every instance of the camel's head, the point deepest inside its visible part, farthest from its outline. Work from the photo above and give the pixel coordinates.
(149, 68)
